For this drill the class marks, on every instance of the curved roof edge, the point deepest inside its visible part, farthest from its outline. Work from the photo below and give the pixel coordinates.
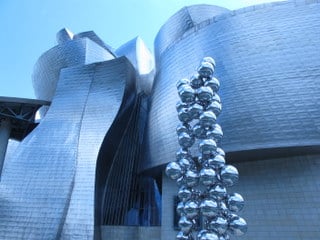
(218, 17)
(183, 20)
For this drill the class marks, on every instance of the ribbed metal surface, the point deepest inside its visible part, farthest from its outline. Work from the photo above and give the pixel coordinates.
(269, 68)
(69, 53)
(47, 186)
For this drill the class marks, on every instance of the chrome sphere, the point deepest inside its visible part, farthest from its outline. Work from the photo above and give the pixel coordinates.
(216, 133)
(209, 208)
(207, 119)
(195, 110)
(217, 162)
(205, 70)
(235, 202)
(196, 81)
(182, 236)
(218, 191)
(191, 178)
(204, 94)
(209, 60)
(199, 131)
(185, 224)
(184, 115)
(224, 237)
(220, 151)
(216, 98)
(181, 105)
(201, 232)
(184, 194)
(184, 163)
(180, 208)
(186, 93)
(207, 146)
(219, 224)
(209, 236)
(181, 181)
(173, 170)
(183, 81)
(213, 83)
(214, 107)
(238, 226)
(229, 175)
(182, 153)
(185, 140)
(183, 128)
(191, 209)
(208, 176)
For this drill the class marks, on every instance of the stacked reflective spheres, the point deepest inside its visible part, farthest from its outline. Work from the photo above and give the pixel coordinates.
(206, 210)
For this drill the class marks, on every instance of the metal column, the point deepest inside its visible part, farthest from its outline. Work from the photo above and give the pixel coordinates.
(5, 129)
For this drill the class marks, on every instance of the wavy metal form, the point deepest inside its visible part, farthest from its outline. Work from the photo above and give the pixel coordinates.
(47, 69)
(182, 21)
(48, 183)
(269, 72)
(143, 61)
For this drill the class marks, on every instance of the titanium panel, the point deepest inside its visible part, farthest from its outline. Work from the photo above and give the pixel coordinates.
(269, 68)
(182, 21)
(69, 53)
(47, 184)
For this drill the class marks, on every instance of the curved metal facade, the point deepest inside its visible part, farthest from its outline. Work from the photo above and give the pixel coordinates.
(269, 68)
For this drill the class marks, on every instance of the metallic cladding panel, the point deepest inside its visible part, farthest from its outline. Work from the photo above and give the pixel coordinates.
(47, 186)
(70, 53)
(182, 21)
(142, 60)
(269, 68)
(106, 93)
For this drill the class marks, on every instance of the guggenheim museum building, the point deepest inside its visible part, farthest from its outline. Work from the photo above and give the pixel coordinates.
(92, 166)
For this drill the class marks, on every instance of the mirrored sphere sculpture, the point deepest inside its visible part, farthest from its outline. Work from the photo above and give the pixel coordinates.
(203, 176)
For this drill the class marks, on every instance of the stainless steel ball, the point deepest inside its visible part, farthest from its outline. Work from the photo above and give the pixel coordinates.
(180, 208)
(209, 60)
(173, 170)
(185, 140)
(205, 70)
(217, 162)
(204, 94)
(229, 175)
(238, 226)
(209, 236)
(185, 164)
(213, 83)
(186, 93)
(235, 202)
(182, 236)
(219, 224)
(207, 119)
(209, 208)
(207, 146)
(184, 115)
(191, 178)
(216, 133)
(181, 105)
(185, 224)
(218, 191)
(184, 194)
(191, 209)
(214, 107)
(183, 81)
(182, 153)
(196, 81)
(208, 176)
(219, 151)
(199, 131)
(195, 110)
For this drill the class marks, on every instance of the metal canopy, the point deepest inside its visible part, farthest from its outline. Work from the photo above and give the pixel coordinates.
(21, 113)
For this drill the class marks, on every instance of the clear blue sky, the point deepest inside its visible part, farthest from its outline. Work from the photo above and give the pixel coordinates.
(29, 27)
